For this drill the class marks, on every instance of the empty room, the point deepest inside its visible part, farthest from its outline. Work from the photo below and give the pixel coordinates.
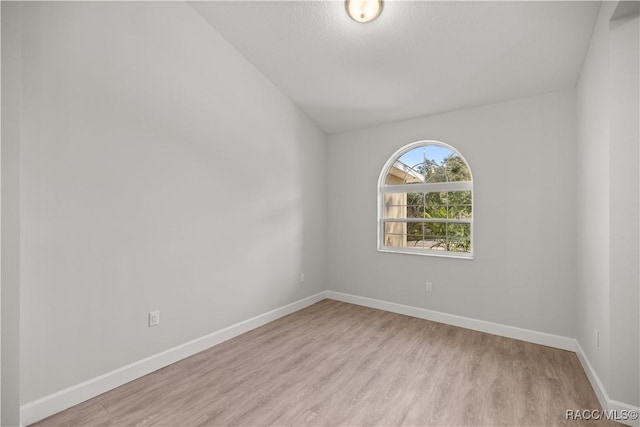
(320, 213)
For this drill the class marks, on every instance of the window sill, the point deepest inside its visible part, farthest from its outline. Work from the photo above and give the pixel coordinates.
(430, 253)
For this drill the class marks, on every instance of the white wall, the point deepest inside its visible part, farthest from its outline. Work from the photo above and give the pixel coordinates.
(522, 158)
(592, 208)
(10, 242)
(624, 66)
(161, 171)
(607, 212)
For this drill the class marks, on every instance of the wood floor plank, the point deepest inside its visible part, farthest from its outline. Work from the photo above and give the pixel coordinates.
(337, 364)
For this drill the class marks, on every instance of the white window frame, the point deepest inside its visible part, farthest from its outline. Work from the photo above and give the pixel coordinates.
(384, 188)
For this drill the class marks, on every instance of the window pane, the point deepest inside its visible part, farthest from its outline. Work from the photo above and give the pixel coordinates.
(436, 205)
(403, 205)
(415, 208)
(459, 237)
(395, 205)
(400, 173)
(459, 204)
(428, 235)
(428, 164)
(441, 205)
(395, 234)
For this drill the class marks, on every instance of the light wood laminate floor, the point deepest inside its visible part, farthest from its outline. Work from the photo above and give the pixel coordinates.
(337, 364)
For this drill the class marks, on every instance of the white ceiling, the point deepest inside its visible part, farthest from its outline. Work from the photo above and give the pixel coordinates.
(417, 58)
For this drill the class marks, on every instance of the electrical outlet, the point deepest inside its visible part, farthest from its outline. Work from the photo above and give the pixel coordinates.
(597, 338)
(154, 318)
(428, 287)
(302, 278)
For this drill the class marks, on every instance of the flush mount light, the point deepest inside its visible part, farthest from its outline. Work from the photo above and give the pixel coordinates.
(363, 10)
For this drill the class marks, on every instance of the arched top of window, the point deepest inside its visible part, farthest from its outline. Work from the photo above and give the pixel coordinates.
(427, 162)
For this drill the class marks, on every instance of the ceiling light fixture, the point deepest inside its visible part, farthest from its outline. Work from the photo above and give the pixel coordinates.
(363, 10)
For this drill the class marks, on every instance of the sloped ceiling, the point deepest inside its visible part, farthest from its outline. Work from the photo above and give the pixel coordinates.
(417, 58)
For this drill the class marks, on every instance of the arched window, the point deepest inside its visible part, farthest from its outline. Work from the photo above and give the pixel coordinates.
(425, 202)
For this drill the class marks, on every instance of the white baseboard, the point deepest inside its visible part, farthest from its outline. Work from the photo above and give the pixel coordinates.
(528, 335)
(607, 403)
(594, 379)
(42, 408)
